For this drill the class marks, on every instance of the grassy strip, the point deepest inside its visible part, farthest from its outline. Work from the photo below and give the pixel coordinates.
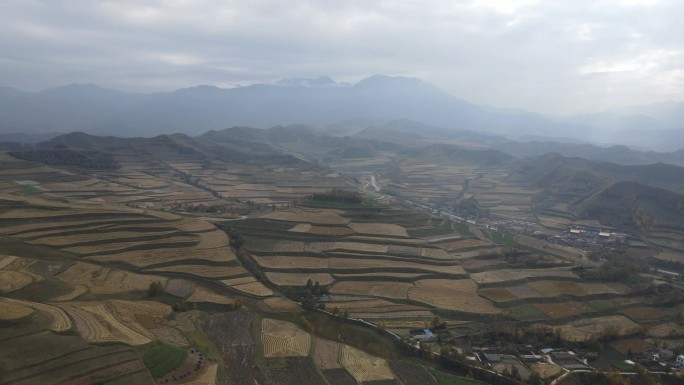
(162, 358)
(450, 379)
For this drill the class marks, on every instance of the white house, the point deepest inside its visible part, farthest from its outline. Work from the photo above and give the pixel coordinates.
(679, 362)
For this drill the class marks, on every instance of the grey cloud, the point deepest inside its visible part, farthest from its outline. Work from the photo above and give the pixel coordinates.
(554, 57)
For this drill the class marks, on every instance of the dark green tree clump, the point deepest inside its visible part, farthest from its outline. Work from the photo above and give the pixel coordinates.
(338, 195)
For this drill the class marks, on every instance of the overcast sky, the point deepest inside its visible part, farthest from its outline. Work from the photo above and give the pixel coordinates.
(561, 56)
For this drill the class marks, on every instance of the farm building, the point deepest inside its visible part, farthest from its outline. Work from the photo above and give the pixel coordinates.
(424, 335)
(679, 362)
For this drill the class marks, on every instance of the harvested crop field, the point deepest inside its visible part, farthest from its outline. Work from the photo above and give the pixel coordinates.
(563, 309)
(281, 305)
(59, 320)
(585, 329)
(102, 280)
(143, 258)
(205, 271)
(379, 228)
(179, 240)
(327, 354)
(298, 279)
(546, 370)
(645, 313)
(212, 239)
(665, 330)
(458, 294)
(284, 339)
(205, 295)
(13, 280)
(10, 310)
(179, 287)
(96, 324)
(557, 288)
(379, 276)
(397, 290)
(248, 285)
(364, 367)
(506, 275)
(132, 312)
(337, 263)
(290, 262)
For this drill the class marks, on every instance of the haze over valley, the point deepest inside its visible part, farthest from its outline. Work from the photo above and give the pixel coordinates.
(479, 192)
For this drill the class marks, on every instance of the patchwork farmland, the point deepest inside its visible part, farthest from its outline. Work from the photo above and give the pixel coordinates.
(222, 272)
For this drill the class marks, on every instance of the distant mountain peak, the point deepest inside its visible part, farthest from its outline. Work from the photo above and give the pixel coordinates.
(77, 89)
(379, 80)
(202, 88)
(320, 81)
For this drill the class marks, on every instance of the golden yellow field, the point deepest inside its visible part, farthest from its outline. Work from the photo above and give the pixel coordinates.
(506, 275)
(129, 312)
(60, 321)
(6, 261)
(10, 310)
(102, 280)
(386, 289)
(78, 291)
(284, 339)
(281, 304)
(212, 240)
(434, 253)
(204, 295)
(364, 367)
(248, 285)
(96, 324)
(13, 280)
(459, 295)
(379, 228)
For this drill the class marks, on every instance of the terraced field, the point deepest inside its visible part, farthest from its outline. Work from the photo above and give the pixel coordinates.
(283, 339)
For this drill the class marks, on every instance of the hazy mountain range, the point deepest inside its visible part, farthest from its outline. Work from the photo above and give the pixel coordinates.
(322, 102)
